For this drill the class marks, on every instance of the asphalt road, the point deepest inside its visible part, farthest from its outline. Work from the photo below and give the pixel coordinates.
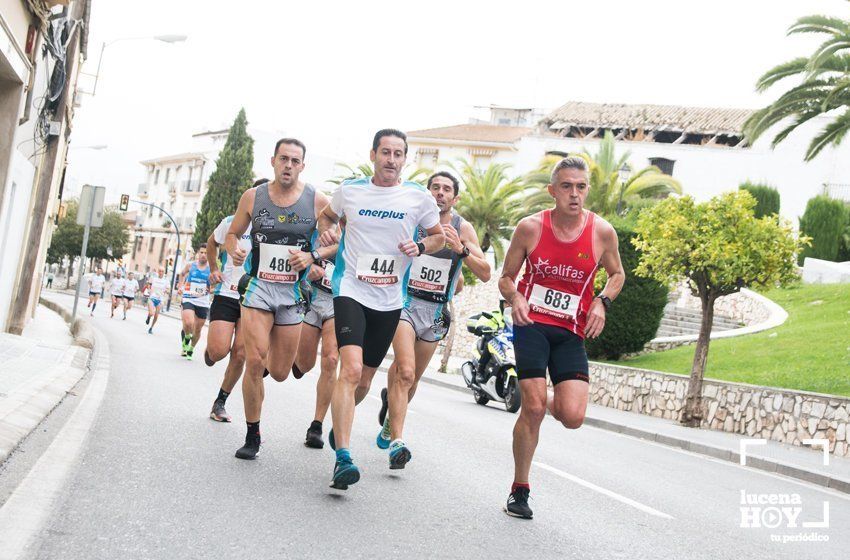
(158, 479)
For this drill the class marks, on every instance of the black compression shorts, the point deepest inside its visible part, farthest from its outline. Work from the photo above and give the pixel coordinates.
(538, 347)
(200, 311)
(353, 321)
(225, 309)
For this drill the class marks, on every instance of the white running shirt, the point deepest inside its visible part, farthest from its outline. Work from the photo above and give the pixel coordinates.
(116, 288)
(96, 282)
(130, 287)
(369, 267)
(231, 274)
(159, 287)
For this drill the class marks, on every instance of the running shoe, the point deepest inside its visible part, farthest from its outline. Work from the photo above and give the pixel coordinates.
(150, 330)
(250, 449)
(314, 437)
(148, 320)
(190, 351)
(345, 474)
(400, 455)
(218, 413)
(517, 505)
(383, 439)
(382, 414)
(207, 359)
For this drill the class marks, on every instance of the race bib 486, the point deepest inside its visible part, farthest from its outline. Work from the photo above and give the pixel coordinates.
(274, 264)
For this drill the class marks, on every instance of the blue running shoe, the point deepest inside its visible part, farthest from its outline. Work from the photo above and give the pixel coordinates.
(400, 455)
(383, 439)
(331, 439)
(345, 474)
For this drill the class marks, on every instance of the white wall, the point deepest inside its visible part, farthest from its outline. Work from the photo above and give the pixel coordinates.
(13, 222)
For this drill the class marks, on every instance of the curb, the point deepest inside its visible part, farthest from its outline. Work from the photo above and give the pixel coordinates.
(759, 463)
(81, 329)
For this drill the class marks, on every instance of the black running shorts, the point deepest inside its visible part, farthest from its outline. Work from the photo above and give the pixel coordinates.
(353, 321)
(200, 311)
(538, 347)
(225, 309)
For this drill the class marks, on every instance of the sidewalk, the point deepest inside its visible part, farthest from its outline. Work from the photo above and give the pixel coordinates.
(795, 462)
(36, 372)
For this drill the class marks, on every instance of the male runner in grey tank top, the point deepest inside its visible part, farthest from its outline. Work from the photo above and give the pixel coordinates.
(433, 280)
(282, 214)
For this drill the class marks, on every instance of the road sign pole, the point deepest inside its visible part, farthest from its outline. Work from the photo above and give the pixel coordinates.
(82, 259)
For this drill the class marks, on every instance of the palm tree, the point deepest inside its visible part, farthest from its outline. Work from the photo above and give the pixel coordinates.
(825, 87)
(490, 202)
(608, 195)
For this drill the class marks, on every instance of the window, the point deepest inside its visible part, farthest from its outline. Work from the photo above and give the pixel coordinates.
(150, 245)
(162, 250)
(504, 122)
(156, 177)
(167, 175)
(664, 164)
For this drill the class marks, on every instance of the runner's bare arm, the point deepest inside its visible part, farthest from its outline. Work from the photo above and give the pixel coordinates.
(183, 274)
(212, 258)
(476, 261)
(240, 223)
(327, 219)
(459, 285)
(610, 261)
(435, 241)
(526, 232)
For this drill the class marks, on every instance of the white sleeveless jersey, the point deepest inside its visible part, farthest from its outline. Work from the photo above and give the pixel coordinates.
(230, 274)
(369, 267)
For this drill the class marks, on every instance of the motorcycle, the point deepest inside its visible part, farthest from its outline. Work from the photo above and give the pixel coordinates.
(491, 374)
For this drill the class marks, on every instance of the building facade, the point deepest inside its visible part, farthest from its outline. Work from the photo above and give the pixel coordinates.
(704, 148)
(42, 46)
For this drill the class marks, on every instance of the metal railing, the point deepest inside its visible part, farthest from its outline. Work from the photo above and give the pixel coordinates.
(143, 189)
(190, 186)
(838, 191)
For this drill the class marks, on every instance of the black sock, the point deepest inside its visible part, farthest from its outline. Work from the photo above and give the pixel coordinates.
(222, 396)
(316, 426)
(253, 428)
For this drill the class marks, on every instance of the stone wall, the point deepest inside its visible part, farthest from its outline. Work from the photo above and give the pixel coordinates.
(759, 412)
(472, 300)
(742, 306)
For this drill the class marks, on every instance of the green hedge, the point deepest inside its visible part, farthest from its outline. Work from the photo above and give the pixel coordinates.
(635, 315)
(844, 243)
(824, 221)
(767, 198)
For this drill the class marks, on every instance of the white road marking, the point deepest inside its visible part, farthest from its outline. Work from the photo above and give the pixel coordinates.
(30, 506)
(619, 497)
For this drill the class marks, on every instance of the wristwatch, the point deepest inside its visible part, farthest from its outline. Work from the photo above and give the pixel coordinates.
(316, 256)
(421, 247)
(464, 253)
(606, 301)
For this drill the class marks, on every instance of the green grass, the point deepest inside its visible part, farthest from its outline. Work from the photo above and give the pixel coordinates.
(809, 352)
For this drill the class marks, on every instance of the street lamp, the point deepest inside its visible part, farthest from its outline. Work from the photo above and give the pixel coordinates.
(624, 176)
(170, 39)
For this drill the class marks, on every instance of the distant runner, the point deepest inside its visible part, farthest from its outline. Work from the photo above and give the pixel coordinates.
(195, 280)
(96, 282)
(116, 290)
(157, 288)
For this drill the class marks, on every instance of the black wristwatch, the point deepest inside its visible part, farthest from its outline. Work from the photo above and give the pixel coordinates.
(464, 253)
(316, 256)
(606, 301)
(421, 247)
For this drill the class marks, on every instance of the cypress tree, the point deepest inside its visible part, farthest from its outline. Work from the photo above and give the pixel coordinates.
(233, 175)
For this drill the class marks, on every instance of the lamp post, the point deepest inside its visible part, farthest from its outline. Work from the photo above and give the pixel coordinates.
(170, 39)
(624, 175)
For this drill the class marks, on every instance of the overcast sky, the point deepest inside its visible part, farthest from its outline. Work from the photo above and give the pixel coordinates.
(333, 72)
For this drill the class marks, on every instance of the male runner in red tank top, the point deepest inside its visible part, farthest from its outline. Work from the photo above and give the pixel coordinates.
(553, 310)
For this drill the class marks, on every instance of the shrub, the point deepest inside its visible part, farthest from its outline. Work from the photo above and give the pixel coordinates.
(634, 317)
(824, 221)
(767, 198)
(844, 245)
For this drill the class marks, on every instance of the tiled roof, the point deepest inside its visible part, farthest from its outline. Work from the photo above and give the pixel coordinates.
(472, 133)
(701, 120)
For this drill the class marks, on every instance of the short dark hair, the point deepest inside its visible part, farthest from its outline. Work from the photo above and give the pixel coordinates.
(388, 132)
(448, 176)
(294, 142)
(202, 246)
(259, 182)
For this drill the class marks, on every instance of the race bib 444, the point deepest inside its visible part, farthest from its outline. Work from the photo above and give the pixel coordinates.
(379, 270)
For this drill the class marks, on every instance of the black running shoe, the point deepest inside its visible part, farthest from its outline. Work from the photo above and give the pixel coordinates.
(517, 505)
(382, 414)
(218, 412)
(250, 449)
(314, 437)
(148, 320)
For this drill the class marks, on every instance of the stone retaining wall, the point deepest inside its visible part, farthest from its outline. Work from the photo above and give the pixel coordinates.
(759, 412)
(740, 306)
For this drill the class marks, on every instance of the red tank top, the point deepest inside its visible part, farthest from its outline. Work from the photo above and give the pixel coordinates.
(558, 277)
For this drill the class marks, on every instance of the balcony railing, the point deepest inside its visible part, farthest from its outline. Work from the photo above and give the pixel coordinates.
(172, 188)
(190, 186)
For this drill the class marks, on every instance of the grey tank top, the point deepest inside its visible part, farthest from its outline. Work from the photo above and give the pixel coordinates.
(279, 225)
(444, 253)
